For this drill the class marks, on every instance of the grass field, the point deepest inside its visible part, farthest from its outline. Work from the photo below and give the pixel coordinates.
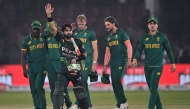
(101, 100)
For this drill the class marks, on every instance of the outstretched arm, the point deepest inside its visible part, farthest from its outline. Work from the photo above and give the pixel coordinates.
(49, 10)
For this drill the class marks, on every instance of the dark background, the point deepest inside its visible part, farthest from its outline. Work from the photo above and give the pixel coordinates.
(132, 15)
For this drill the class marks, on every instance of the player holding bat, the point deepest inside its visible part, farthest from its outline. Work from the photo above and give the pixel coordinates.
(72, 53)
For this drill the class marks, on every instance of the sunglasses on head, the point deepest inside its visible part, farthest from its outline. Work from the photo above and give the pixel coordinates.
(36, 24)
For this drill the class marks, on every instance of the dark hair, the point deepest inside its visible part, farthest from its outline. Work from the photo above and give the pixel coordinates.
(111, 20)
(63, 27)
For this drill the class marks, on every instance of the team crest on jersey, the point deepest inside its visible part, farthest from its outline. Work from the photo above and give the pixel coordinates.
(85, 34)
(29, 42)
(146, 39)
(158, 39)
(158, 73)
(116, 36)
(48, 38)
(75, 34)
(108, 39)
(41, 39)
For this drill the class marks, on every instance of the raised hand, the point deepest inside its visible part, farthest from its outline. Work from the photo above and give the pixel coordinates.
(48, 9)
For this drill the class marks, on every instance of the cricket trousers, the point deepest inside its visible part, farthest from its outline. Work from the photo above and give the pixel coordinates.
(152, 75)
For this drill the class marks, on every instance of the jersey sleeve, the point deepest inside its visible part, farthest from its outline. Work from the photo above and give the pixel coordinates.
(107, 45)
(168, 49)
(139, 49)
(125, 37)
(93, 36)
(24, 45)
(58, 36)
(81, 47)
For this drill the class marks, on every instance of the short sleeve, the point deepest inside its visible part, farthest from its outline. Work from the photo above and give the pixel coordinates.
(125, 37)
(93, 36)
(24, 45)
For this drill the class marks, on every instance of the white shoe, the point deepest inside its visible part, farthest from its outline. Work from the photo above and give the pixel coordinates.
(117, 108)
(75, 107)
(124, 106)
(72, 107)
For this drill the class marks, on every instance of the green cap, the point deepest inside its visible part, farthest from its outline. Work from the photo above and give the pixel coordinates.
(105, 79)
(47, 26)
(93, 76)
(36, 24)
(153, 19)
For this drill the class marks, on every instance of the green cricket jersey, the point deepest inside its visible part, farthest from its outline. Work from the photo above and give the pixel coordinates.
(53, 48)
(86, 36)
(116, 44)
(153, 47)
(36, 48)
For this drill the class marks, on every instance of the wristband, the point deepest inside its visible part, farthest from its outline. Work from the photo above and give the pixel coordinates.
(50, 19)
(94, 62)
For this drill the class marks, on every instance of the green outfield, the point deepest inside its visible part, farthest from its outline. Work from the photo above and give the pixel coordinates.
(102, 99)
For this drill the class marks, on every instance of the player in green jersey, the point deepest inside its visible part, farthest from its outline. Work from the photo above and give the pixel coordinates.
(72, 53)
(35, 47)
(119, 53)
(88, 37)
(54, 64)
(154, 43)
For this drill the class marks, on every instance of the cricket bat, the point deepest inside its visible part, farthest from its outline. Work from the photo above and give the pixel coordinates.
(76, 47)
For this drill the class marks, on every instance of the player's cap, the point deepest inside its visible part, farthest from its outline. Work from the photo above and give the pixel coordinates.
(153, 19)
(47, 26)
(105, 79)
(36, 24)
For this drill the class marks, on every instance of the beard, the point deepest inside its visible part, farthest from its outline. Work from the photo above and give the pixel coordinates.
(110, 30)
(36, 34)
(68, 36)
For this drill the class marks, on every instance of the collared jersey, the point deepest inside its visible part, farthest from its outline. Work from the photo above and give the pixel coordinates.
(53, 47)
(116, 43)
(86, 36)
(154, 47)
(67, 49)
(36, 48)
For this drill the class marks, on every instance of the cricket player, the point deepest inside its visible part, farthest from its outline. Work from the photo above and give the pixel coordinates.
(88, 37)
(119, 53)
(35, 47)
(72, 52)
(54, 64)
(154, 43)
